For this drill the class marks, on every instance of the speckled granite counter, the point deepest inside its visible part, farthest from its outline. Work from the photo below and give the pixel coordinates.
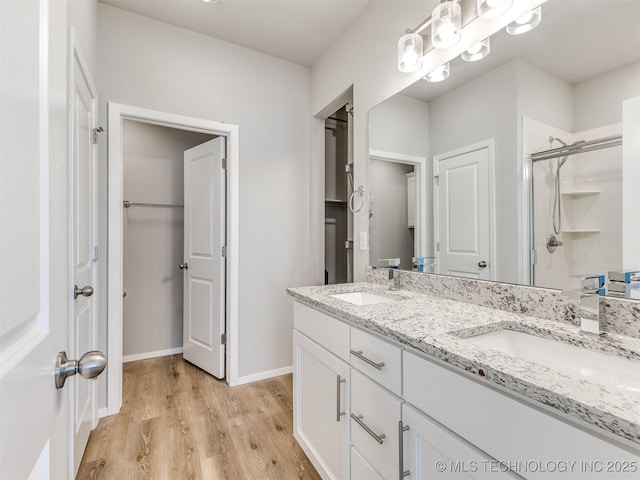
(437, 327)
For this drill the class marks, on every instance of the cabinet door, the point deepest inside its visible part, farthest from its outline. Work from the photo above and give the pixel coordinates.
(431, 451)
(321, 407)
(361, 469)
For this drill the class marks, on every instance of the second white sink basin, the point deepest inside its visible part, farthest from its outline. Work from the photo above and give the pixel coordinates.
(361, 298)
(597, 367)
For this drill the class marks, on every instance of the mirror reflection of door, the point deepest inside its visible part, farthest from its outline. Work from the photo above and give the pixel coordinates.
(392, 233)
(463, 212)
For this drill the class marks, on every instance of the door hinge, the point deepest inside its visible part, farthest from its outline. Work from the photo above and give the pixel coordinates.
(224, 163)
(436, 179)
(534, 257)
(223, 339)
(94, 254)
(225, 251)
(437, 246)
(95, 133)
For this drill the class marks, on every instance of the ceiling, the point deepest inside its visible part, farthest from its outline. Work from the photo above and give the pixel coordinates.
(576, 40)
(294, 30)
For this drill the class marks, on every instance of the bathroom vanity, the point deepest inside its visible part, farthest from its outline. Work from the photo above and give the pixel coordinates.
(399, 384)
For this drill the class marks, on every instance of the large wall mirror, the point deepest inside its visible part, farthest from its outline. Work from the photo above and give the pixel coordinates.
(454, 187)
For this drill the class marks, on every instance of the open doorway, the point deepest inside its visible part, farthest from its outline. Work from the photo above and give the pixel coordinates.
(153, 238)
(338, 191)
(145, 230)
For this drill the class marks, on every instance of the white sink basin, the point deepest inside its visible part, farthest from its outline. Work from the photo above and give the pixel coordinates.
(361, 298)
(596, 367)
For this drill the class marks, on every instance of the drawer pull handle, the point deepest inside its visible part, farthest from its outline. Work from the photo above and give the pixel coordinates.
(401, 471)
(339, 380)
(367, 360)
(377, 438)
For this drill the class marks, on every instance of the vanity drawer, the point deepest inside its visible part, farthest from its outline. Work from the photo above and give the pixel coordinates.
(329, 332)
(379, 411)
(520, 432)
(369, 353)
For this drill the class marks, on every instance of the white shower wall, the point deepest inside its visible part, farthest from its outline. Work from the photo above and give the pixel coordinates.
(591, 206)
(153, 237)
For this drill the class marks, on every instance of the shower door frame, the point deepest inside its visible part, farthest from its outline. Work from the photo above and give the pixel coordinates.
(117, 113)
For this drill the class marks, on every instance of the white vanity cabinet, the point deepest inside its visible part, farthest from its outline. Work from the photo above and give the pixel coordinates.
(366, 408)
(321, 393)
(431, 451)
(534, 442)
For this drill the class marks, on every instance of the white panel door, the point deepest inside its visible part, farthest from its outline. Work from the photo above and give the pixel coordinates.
(34, 232)
(463, 214)
(84, 154)
(204, 237)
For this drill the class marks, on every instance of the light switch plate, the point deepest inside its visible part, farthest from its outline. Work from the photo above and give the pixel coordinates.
(364, 242)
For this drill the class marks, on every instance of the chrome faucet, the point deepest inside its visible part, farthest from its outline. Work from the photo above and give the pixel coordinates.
(393, 280)
(588, 295)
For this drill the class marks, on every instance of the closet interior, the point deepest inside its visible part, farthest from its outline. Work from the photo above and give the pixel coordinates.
(153, 191)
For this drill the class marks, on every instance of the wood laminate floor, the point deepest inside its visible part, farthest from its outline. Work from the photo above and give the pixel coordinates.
(179, 423)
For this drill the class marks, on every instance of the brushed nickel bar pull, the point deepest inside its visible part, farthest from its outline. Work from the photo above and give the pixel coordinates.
(401, 471)
(376, 437)
(367, 360)
(339, 380)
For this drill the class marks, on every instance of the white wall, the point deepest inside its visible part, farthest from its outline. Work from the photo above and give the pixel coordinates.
(153, 65)
(400, 125)
(153, 172)
(365, 57)
(598, 101)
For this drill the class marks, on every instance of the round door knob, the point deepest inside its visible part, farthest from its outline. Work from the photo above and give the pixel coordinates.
(90, 365)
(482, 264)
(84, 291)
(184, 266)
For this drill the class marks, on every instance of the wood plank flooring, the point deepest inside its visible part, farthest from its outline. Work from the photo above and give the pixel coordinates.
(179, 423)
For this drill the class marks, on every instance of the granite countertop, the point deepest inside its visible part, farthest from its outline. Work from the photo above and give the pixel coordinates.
(437, 327)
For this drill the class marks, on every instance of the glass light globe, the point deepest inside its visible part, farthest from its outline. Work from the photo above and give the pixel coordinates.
(526, 22)
(446, 24)
(438, 75)
(492, 8)
(477, 52)
(410, 53)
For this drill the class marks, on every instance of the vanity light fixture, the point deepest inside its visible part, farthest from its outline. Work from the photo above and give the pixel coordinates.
(525, 23)
(439, 74)
(492, 8)
(477, 51)
(446, 24)
(410, 53)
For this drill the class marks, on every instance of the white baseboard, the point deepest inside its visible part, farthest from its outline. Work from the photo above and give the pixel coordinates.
(102, 412)
(263, 375)
(145, 356)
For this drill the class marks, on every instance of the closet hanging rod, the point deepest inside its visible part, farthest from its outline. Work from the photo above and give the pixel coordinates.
(127, 204)
(582, 147)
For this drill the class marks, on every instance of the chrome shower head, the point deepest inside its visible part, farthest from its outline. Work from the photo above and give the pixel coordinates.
(556, 139)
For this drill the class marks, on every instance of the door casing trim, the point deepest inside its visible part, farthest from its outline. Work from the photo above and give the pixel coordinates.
(116, 114)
